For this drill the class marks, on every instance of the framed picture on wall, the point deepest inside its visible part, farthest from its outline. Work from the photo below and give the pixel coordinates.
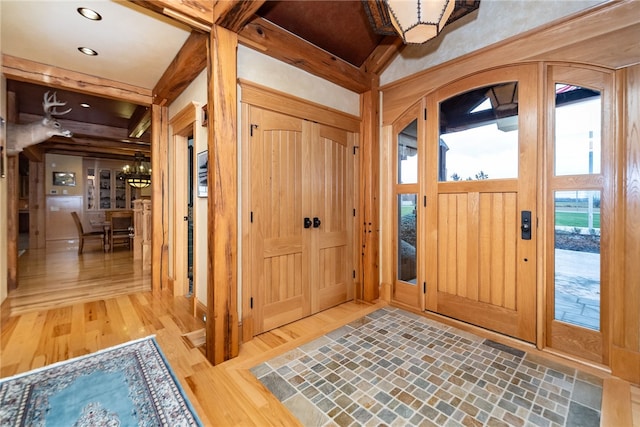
(64, 178)
(203, 170)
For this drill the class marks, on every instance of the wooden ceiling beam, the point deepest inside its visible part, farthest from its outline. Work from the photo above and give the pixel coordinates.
(185, 67)
(99, 131)
(195, 13)
(95, 146)
(139, 122)
(234, 15)
(269, 39)
(382, 55)
(34, 72)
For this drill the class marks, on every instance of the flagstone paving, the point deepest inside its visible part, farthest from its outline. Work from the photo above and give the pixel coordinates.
(396, 368)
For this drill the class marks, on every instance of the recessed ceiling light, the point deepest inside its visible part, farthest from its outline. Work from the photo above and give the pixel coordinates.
(89, 13)
(88, 51)
(85, 105)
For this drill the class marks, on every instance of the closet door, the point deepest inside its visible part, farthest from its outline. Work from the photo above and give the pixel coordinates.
(280, 243)
(301, 207)
(332, 205)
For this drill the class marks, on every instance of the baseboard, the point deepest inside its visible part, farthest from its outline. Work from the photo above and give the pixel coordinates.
(201, 311)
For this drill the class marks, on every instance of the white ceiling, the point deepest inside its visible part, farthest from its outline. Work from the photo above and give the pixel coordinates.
(135, 45)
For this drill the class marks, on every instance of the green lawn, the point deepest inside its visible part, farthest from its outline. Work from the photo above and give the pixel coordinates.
(576, 219)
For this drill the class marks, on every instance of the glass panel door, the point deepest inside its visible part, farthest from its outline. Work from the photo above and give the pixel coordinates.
(406, 242)
(579, 193)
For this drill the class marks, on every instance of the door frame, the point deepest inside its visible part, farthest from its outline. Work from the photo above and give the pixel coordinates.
(181, 127)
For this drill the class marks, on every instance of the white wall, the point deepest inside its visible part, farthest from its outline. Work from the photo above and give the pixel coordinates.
(266, 71)
(495, 20)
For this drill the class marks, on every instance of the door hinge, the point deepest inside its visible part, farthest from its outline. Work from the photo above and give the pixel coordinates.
(354, 274)
(424, 287)
(355, 147)
(251, 302)
(424, 201)
(251, 216)
(252, 127)
(354, 212)
(425, 114)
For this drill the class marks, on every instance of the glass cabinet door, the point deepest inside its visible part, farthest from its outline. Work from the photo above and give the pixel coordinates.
(105, 188)
(121, 190)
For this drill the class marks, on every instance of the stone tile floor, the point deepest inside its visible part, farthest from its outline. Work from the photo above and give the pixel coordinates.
(396, 368)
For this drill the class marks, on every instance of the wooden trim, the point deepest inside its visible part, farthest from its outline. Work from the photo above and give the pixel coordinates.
(271, 99)
(616, 403)
(201, 310)
(34, 72)
(247, 281)
(272, 40)
(222, 290)
(625, 364)
(37, 211)
(184, 119)
(589, 36)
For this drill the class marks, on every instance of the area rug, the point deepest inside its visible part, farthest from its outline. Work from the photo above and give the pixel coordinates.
(127, 385)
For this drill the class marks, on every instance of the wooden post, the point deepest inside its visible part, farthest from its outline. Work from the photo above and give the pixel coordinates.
(159, 198)
(369, 192)
(222, 281)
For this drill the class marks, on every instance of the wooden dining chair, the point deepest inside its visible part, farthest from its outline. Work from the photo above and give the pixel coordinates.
(82, 235)
(120, 224)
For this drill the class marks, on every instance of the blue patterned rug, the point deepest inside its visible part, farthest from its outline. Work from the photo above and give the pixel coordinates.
(127, 385)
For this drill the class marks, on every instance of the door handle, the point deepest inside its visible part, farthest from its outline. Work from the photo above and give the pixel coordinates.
(307, 223)
(316, 222)
(525, 225)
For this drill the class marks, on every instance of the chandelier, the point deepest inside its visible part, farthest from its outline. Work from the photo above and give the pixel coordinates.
(138, 175)
(415, 21)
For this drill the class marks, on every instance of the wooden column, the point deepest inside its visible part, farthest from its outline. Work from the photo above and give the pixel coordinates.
(370, 192)
(222, 281)
(159, 197)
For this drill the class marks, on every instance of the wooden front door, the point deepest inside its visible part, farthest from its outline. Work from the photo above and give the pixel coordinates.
(302, 221)
(482, 203)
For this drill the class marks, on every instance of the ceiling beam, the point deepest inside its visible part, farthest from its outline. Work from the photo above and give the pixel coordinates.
(188, 63)
(92, 129)
(234, 15)
(269, 39)
(34, 72)
(95, 147)
(382, 55)
(195, 13)
(139, 122)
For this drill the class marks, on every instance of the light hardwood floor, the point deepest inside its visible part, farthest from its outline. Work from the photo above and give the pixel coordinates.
(224, 395)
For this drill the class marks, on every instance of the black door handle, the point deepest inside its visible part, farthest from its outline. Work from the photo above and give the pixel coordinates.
(307, 223)
(525, 227)
(316, 222)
